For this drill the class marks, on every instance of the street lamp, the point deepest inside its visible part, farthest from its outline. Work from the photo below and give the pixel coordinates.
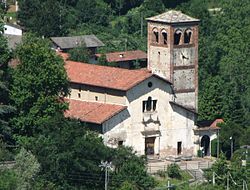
(106, 165)
(232, 146)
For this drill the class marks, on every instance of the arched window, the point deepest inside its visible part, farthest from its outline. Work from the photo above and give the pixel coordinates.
(155, 35)
(149, 104)
(164, 37)
(177, 37)
(187, 36)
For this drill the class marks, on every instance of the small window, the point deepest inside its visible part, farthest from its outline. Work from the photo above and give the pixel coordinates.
(96, 98)
(187, 36)
(79, 95)
(150, 84)
(177, 37)
(164, 37)
(179, 148)
(120, 143)
(5, 28)
(80, 88)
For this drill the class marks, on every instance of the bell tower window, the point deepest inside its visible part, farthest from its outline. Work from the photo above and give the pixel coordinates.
(164, 37)
(187, 36)
(155, 36)
(177, 37)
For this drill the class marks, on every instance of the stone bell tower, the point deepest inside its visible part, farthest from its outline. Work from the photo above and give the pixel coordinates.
(173, 53)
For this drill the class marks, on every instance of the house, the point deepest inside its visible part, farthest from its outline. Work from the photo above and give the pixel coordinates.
(154, 109)
(127, 59)
(66, 43)
(12, 29)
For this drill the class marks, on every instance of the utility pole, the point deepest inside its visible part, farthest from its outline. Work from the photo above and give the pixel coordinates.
(106, 165)
(218, 144)
(141, 24)
(227, 181)
(213, 178)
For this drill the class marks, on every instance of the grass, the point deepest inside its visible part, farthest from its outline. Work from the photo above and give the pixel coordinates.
(162, 181)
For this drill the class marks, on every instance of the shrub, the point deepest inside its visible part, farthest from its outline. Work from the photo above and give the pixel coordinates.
(173, 171)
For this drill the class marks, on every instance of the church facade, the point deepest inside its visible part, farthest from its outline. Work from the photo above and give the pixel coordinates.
(154, 110)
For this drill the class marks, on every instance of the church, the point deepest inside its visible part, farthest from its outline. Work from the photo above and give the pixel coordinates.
(154, 110)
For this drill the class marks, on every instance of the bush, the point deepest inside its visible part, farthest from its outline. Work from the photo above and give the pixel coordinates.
(173, 171)
(199, 153)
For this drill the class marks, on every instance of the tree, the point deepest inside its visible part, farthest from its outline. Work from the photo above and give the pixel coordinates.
(80, 53)
(5, 108)
(131, 169)
(26, 168)
(38, 83)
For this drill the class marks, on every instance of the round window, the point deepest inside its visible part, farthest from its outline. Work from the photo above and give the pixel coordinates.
(150, 84)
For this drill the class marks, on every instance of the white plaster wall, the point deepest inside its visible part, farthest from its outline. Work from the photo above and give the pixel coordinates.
(12, 30)
(182, 129)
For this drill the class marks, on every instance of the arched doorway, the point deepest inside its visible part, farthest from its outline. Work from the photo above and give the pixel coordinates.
(205, 143)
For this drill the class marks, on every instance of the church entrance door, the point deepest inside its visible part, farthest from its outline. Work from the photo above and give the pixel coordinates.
(149, 145)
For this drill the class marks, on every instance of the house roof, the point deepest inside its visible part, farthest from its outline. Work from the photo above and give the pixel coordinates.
(209, 124)
(92, 112)
(13, 40)
(76, 41)
(125, 56)
(172, 17)
(106, 77)
(13, 25)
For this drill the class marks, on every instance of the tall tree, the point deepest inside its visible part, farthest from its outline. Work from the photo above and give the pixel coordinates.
(38, 82)
(5, 108)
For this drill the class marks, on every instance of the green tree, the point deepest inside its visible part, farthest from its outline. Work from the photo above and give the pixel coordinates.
(5, 108)
(131, 169)
(26, 168)
(38, 83)
(80, 53)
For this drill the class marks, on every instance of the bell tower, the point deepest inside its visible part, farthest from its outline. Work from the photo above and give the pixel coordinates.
(173, 53)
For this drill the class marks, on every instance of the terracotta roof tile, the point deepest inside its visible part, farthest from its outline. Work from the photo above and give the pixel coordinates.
(92, 112)
(104, 76)
(125, 56)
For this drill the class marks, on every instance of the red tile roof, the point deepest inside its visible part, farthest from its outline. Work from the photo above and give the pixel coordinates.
(217, 121)
(125, 56)
(104, 76)
(92, 112)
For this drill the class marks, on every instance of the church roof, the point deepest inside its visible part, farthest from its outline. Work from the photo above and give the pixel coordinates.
(172, 17)
(106, 77)
(125, 56)
(92, 112)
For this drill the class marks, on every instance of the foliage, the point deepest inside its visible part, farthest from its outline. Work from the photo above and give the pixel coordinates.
(37, 81)
(26, 169)
(81, 53)
(173, 171)
(5, 108)
(214, 147)
(130, 168)
(7, 179)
